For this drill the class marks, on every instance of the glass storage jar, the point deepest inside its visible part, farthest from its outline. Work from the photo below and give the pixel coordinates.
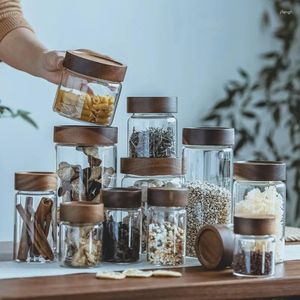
(122, 225)
(86, 161)
(254, 249)
(143, 173)
(35, 217)
(80, 234)
(166, 226)
(90, 87)
(208, 162)
(259, 188)
(152, 127)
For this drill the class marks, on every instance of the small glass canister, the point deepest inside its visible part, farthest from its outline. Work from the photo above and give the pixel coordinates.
(166, 226)
(90, 87)
(35, 217)
(80, 234)
(208, 161)
(86, 161)
(259, 188)
(254, 250)
(152, 127)
(122, 226)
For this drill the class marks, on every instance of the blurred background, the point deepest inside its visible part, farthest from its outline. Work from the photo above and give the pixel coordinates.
(231, 62)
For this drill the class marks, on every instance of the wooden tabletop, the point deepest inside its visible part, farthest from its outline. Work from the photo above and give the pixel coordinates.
(194, 284)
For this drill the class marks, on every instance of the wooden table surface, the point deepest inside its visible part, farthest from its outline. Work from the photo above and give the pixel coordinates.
(194, 284)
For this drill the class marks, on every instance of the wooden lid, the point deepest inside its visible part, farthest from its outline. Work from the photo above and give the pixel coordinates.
(95, 65)
(260, 170)
(214, 246)
(151, 166)
(85, 135)
(254, 224)
(170, 197)
(211, 136)
(151, 104)
(122, 198)
(81, 212)
(35, 181)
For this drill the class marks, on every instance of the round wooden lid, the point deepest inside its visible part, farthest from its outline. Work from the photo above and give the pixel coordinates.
(214, 246)
(211, 136)
(81, 212)
(151, 166)
(122, 198)
(35, 181)
(95, 65)
(152, 104)
(254, 224)
(260, 170)
(170, 197)
(85, 135)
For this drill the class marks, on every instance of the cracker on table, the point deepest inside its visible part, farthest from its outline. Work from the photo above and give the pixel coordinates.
(110, 275)
(166, 273)
(137, 273)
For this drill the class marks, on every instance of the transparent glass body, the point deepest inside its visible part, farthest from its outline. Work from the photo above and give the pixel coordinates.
(35, 230)
(263, 197)
(80, 245)
(122, 235)
(84, 170)
(166, 235)
(86, 98)
(254, 255)
(152, 135)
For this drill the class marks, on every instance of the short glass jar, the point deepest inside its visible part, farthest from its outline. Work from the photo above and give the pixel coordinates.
(208, 161)
(86, 161)
(90, 87)
(122, 225)
(80, 234)
(259, 188)
(254, 249)
(35, 217)
(152, 127)
(166, 226)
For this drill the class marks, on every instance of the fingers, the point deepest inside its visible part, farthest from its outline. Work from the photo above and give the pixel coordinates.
(53, 60)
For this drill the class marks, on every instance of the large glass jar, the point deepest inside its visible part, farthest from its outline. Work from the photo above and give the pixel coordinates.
(122, 225)
(152, 127)
(254, 249)
(80, 234)
(166, 226)
(35, 217)
(90, 87)
(86, 161)
(208, 161)
(259, 188)
(143, 173)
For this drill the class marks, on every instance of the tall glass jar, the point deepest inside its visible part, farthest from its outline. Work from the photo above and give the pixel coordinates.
(35, 217)
(122, 225)
(86, 161)
(208, 162)
(90, 87)
(166, 226)
(259, 188)
(152, 127)
(80, 234)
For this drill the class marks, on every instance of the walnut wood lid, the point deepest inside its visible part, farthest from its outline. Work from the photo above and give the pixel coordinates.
(95, 65)
(85, 135)
(122, 198)
(254, 224)
(81, 212)
(260, 170)
(151, 166)
(35, 181)
(214, 246)
(211, 136)
(151, 104)
(170, 197)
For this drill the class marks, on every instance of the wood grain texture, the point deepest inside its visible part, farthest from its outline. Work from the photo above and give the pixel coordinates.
(194, 284)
